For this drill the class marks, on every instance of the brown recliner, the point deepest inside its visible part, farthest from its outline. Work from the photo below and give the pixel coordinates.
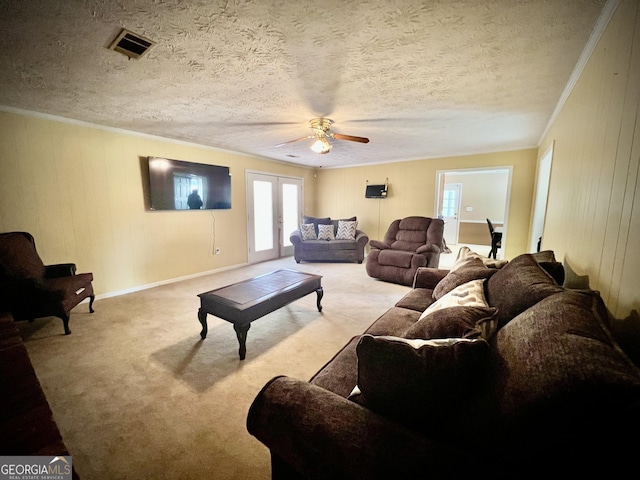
(409, 243)
(29, 289)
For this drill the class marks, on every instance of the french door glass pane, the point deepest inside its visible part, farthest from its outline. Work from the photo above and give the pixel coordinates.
(263, 215)
(448, 203)
(289, 211)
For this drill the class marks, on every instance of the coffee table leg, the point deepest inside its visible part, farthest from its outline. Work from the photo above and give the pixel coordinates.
(241, 333)
(202, 318)
(320, 293)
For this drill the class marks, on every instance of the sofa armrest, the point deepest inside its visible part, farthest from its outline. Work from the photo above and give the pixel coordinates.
(379, 245)
(323, 435)
(361, 238)
(427, 277)
(295, 237)
(60, 270)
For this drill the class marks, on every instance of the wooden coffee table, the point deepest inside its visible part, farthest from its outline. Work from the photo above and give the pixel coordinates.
(246, 301)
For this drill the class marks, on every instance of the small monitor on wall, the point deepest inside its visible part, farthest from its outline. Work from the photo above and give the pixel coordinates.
(376, 191)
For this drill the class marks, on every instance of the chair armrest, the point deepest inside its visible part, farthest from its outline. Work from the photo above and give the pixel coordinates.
(60, 270)
(427, 277)
(379, 245)
(323, 435)
(428, 248)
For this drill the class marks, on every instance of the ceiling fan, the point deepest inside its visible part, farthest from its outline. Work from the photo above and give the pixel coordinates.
(321, 132)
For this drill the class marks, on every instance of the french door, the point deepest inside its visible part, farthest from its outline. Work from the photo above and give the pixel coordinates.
(274, 210)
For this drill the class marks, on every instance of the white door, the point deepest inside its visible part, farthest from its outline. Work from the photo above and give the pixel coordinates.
(274, 207)
(540, 205)
(450, 212)
(290, 204)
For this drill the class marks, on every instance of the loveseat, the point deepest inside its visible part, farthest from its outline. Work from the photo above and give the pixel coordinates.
(475, 372)
(328, 240)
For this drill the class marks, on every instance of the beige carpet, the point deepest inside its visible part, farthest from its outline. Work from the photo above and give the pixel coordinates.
(137, 394)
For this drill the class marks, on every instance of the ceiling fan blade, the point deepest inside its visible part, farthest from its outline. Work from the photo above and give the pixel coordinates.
(253, 124)
(296, 140)
(351, 138)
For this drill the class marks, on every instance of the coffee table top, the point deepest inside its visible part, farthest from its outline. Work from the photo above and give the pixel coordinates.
(246, 301)
(258, 288)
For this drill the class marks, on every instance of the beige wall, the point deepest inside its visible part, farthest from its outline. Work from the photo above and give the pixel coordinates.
(412, 191)
(78, 190)
(484, 193)
(593, 215)
(477, 234)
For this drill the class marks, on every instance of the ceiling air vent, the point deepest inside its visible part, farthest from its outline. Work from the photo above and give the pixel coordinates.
(131, 44)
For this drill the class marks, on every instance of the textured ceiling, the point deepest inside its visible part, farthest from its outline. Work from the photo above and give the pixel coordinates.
(420, 79)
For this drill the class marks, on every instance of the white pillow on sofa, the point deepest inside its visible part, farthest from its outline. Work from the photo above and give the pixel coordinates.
(346, 230)
(470, 294)
(308, 231)
(465, 253)
(325, 232)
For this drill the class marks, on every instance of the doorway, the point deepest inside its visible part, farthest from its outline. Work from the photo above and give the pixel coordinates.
(274, 206)
(540, 203)
(482, 193)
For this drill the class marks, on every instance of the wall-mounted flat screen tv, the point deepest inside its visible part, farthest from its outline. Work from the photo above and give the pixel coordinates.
(376, 191)
(180, 185)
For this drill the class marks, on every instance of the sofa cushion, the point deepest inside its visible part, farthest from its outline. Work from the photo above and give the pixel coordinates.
(417, 299)
(517, 286)
(339, 374)
(556, 366)
(346, 230)
(463, 271)
(317, 221)
(308, 231)
(342, 245)
(335, 222)
(544, 256)
(315, 246)
(325, 232)
(395, 258)
(394, 321)
(455, 322)
(420, 383)
(470, 294)
(547, 260)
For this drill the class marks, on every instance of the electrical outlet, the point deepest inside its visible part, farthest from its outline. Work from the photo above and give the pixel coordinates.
(217, 251)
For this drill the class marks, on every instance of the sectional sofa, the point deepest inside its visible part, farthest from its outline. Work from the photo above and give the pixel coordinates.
(477, 371)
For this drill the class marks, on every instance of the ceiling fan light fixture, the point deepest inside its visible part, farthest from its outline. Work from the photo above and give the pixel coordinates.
(321, 145)
(320, 128)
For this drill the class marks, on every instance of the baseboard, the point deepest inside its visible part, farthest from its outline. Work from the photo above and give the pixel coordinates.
(164, 282)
